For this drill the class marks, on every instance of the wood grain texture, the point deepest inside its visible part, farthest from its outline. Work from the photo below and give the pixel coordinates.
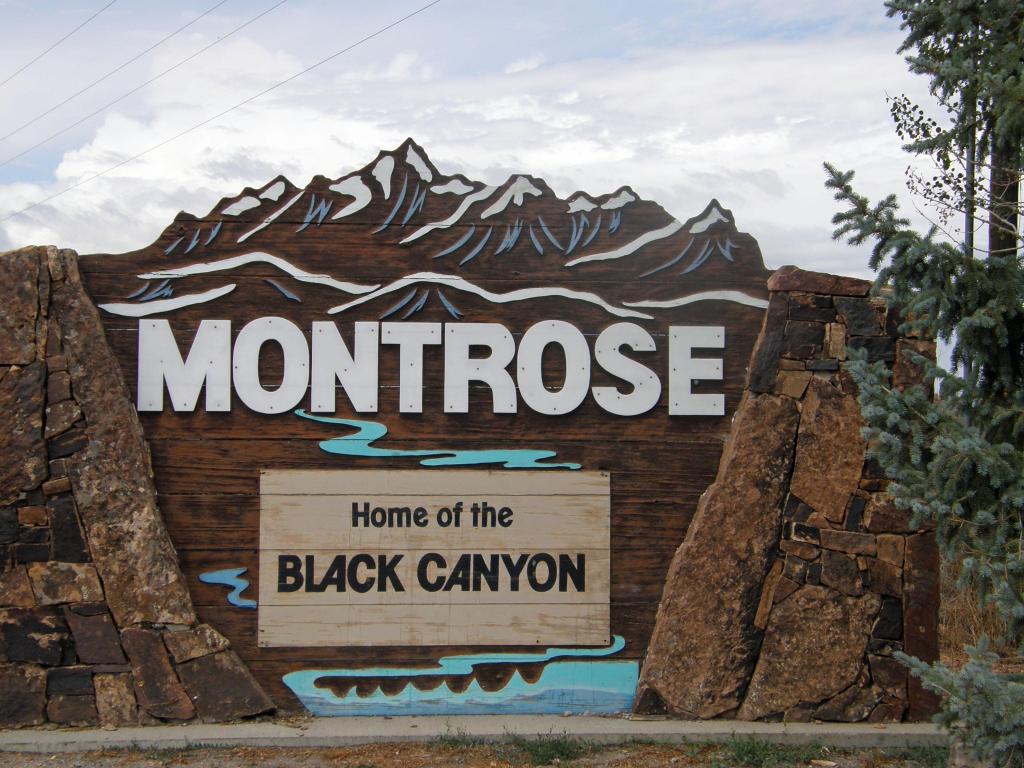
(486, 624)
(229, 522)
(467, 483)
(597, 566)
(208, 465)
(538, 575)
(646, 571)
(541, 520)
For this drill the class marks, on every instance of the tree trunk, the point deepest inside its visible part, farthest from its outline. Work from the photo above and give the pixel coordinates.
(1003, 232)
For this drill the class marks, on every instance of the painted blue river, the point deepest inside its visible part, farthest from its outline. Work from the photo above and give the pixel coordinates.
(230, 577)
(361, 443)
(585, 681)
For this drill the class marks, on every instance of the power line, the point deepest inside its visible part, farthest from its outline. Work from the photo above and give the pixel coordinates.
(112, 72)
(69, 34)
(138, 88)
(219, 115)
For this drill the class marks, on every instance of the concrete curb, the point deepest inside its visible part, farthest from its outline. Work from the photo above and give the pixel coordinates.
(353, 731)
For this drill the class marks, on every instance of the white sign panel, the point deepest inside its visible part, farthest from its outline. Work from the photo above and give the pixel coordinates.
(471, 557)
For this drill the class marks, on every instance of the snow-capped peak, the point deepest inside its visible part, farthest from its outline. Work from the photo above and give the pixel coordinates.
(453, 187)
(354, 187)
(581, 203)
(514, 194)
(713, 214)
(274, 191)
(618, 201)
(382, 173)
(241, 205)
(417, 162)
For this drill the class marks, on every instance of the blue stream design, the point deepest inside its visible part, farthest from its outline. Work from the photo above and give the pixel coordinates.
(670, 262)
(398, 204)
(417, 306)
(230, 577)
(616, 221)
(511, 237)
(536, 243)
(593, 232)
(162, 290)
(479, 247)
(452, 309)
(195, 240)
(547, 233)
(401, 303)
(701, 258)
(577, 233)
(172, 246)
(461, 242)
(139, 292)
(726, 250)
(213, 234)
(599, 687)
(414, 206)
(362, 444)
(317, 212)
(284, 291)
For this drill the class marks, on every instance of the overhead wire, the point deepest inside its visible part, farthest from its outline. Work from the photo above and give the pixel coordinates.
(112, 72)
(138, 88)
(221, 114)
(69, 34)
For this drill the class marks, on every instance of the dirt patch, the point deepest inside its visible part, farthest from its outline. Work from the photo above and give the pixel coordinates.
(466, 753)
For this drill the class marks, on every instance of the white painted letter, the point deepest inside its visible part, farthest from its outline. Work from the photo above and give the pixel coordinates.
(684, 369)
(531, 376)
(646, 384)
(247, 365)
(460, 368)
(333, 362)
(209, 361)
(410, 338)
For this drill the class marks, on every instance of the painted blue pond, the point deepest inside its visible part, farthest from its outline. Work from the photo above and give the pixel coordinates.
(575, 680)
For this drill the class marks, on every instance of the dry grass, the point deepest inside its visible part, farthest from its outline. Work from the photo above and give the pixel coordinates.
(460, 752)
(962, 621)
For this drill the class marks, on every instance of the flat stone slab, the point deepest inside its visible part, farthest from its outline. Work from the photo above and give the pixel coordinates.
(24, 695)
(221, 688)
(22, 449)
(157, 687)
(797, 665)
(190, 644)
(19, 292)
(829, 450)
(110, 470)
(714, 583)
(55, 583)
(349, 731)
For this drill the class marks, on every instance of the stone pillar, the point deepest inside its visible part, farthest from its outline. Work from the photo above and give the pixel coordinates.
(96, 622)
(797, 578)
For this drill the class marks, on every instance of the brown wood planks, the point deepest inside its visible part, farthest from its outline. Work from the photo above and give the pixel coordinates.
(207, 465)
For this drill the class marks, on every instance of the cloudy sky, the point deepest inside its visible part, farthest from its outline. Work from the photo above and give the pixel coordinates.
(683, 101)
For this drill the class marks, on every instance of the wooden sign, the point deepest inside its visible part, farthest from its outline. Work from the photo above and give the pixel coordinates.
(401, 319)
(434, 558)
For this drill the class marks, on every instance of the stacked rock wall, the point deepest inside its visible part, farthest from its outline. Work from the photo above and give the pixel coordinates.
(96, 623)
(797, 579)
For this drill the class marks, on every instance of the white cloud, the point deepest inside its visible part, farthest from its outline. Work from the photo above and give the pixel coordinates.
(524, 64)
(746, 122)
(405, 65)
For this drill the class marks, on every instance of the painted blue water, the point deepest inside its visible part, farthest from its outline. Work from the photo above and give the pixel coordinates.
(367, 432)
(597, 685)
(230, 577)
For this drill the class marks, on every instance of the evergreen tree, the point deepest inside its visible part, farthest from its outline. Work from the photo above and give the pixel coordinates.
(957, 460)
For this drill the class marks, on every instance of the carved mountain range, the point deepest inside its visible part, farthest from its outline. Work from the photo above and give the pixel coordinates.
(401, 232)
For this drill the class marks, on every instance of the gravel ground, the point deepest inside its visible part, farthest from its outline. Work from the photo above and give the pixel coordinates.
(465, 753)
